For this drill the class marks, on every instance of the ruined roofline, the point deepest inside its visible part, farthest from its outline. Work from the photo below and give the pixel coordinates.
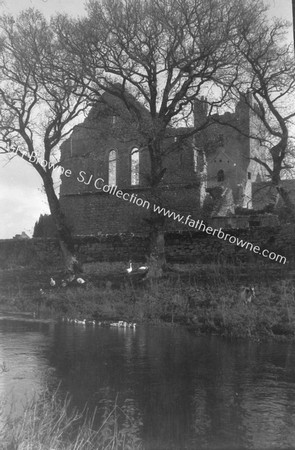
(243, 106)
(110, 100)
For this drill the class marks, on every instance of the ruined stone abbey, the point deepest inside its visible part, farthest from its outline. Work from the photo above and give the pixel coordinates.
(106, 150)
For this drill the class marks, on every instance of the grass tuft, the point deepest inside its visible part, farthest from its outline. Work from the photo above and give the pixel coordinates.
(49, 423)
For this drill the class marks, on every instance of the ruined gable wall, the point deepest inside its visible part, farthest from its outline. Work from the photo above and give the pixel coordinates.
(91, 211)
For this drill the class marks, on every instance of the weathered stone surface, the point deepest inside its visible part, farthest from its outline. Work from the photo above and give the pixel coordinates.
(195, 247)
(109, 128)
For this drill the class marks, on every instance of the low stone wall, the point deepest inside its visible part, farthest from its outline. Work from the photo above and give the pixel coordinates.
(38, 251)
(201, 248)
(181, 247)
(112, 247)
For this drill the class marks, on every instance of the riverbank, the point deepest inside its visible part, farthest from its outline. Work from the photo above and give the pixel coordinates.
(206, 299)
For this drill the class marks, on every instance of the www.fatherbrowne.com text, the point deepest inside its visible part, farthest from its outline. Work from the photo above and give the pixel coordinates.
(133, 198)
(201, 226)
(185, 220)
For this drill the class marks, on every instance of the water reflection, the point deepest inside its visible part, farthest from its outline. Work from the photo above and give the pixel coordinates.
(188, 392)
(22, 346)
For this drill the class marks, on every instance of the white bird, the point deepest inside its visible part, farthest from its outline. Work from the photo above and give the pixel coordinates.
(130, 268)
(137, 274)
(52, 282)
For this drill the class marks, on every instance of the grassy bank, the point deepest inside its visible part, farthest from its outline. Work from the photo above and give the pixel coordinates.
(49, 423)
(206, 299)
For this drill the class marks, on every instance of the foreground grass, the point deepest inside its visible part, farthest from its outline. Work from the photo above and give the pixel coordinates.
(205, 299)
(49, 423)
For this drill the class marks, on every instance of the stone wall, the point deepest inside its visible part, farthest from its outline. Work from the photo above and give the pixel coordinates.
(100, 212)
(181, 247)
(85, 159)
(110, 129)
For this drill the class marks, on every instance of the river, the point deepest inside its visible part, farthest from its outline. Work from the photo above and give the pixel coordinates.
(188, 392)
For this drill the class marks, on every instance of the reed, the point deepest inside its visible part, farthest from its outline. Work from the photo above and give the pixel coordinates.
(49, 423)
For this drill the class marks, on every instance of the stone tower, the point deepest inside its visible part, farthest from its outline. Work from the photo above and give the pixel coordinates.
(225, 151)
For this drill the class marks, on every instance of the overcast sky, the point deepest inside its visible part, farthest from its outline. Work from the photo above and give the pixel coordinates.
(21, 197)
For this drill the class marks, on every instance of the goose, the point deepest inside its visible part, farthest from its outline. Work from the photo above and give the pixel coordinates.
(80, 322)
(70, 278)
(80, 280)
(247, 294)
(52, 282)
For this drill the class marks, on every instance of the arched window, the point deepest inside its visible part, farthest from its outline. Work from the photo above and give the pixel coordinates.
(220, 175)
(134, 166)
(112, 167)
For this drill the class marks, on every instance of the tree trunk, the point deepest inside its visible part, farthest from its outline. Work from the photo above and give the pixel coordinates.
(72, 265)
(157, 222)
(277, 182)
(287, 201)
(157, 251)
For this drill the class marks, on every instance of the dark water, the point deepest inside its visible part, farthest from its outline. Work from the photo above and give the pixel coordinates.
(188, 392)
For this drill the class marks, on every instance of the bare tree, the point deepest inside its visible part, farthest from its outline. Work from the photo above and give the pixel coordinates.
(157, 56)
(267, 83)
(38, 105)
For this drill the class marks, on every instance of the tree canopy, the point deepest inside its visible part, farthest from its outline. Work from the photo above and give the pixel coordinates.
(157, 57)
(38, 103)
(266, 70)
